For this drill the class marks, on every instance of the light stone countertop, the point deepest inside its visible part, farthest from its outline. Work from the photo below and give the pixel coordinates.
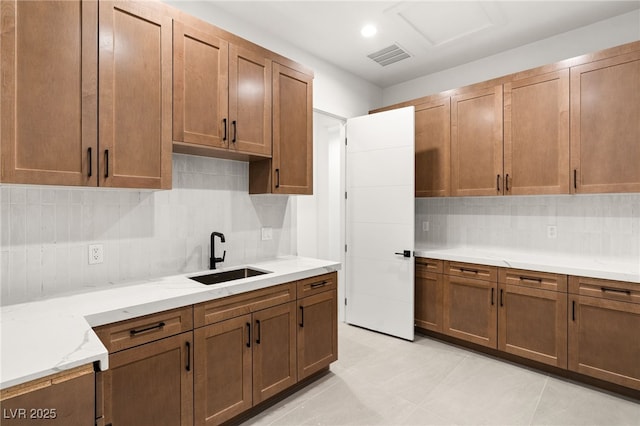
(610, 269)
(45, 337)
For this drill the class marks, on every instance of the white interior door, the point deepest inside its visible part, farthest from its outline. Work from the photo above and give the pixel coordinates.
(380, 222)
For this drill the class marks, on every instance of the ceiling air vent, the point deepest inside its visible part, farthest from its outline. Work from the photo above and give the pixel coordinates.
(389, 55)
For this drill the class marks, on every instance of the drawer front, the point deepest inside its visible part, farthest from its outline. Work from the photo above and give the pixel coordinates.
(317, 284)
(134, 332)
(429, 265)
(241, 304)
(541, 280)
(605, 289)
(471, 270)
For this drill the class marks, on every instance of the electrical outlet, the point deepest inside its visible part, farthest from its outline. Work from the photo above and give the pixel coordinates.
(267, 233)
(552, 232)
(96, 254)
(425, 226)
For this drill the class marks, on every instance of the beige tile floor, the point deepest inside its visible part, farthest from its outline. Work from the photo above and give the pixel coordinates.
(380, 380)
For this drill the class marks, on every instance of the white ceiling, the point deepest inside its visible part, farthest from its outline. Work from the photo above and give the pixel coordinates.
(437, 34)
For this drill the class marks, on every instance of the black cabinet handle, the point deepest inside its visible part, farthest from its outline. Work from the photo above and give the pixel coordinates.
(106, 163)
(537, 280)
(258, 332)
(491, 296)
(224, 124)
(573, 310)
(615, 290)
(501, 297)
(151, 327)
(301, 316)
(90, 161)
(188, 345)
(575, 178)
(248, 334)
(506, 182)
(277, 178)
(473, 271)
(498, 183)
(235, 131)
(320, 284)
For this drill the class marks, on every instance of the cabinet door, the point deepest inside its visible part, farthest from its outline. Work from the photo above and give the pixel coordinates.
(135, 95)
(292, 132)
(476, 143)
(470, 311)
(603, 339)
(317, 332)
(428, 299)
(274, 350)
(536, 135)
(48, 89)
(151, 384)
(67, 398)
(605, 125)
(532, 324)
(223, 364)
(200, 78)
(249, 101)
(433, 148)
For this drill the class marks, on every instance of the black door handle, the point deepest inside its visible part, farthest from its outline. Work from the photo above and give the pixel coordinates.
(405, 253)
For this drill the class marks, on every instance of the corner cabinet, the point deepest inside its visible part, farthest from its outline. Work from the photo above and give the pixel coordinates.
(605, 125)
(49, 92)
(290, 170)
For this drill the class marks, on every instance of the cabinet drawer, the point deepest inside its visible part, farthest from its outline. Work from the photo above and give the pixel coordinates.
(318, 284)
(471, 270)
(542, 280)
(605, 289)
(126, 334)
(428, 265)
(233, 306)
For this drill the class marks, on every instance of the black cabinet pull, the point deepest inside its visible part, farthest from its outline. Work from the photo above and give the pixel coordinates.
(573, 310)
(277, 178)
(472, 271)
(537, 280)
(301, 316)
(501, 297)
(248, 334)
(575, 178)
(498, 183)
(224, 124)
(106, 163)
(90, 161)
(235, 131)
(188, 345)
(615, 290)
(321, 284)
(151, 327)
(506, 182)
(258, 332)
(491, 296)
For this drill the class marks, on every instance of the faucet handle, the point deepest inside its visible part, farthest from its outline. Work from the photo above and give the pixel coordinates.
(224, 254)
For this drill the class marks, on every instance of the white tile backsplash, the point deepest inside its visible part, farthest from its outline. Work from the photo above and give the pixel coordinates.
(45, 231)
(593, 226)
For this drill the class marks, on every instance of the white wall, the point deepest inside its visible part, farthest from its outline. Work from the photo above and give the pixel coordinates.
(45, 230)
(601, 35)
(334, 90)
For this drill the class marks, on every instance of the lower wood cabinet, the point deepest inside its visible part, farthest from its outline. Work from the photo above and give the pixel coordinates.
(429, 292)
(66, 398)
(532, 316)
(470, 311)
(604, 330)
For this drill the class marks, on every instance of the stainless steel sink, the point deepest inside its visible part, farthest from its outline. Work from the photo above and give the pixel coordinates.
(223, 277)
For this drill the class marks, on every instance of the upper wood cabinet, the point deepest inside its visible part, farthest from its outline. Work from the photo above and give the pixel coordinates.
(290, 171)
(536, 135)
(49, 93)
(476, 142)
(221, 92)
(58, 65)
(134, 95)
(433, 148)
(605, 125)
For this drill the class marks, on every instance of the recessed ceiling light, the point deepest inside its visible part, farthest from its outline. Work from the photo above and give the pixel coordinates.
(368, 30)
